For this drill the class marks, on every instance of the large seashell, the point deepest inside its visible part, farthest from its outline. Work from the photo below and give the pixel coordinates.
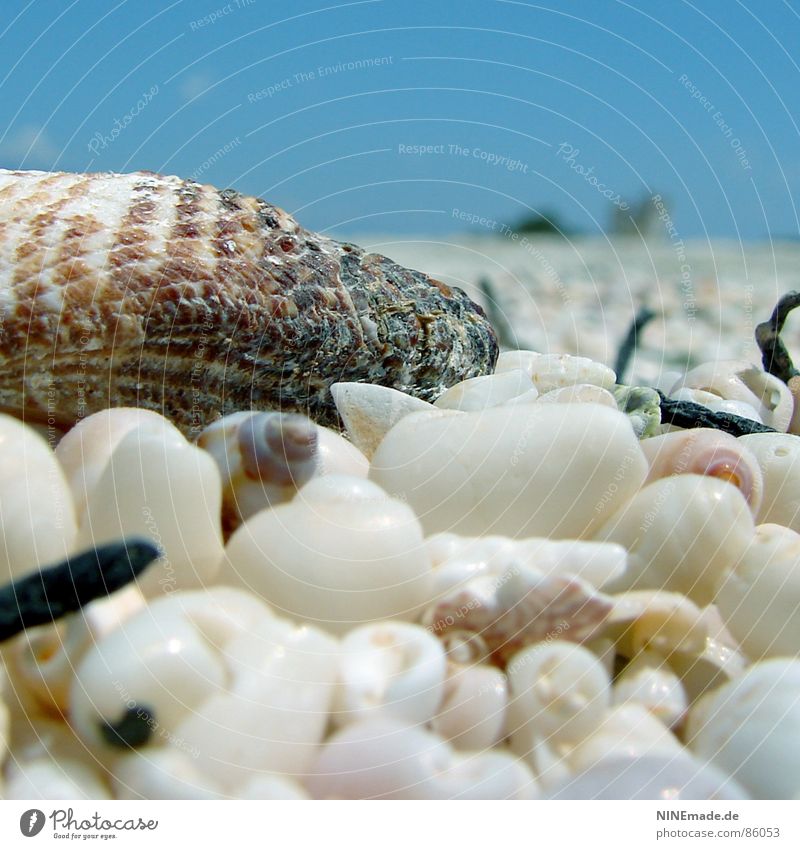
(385, 759)
(511, 608)
(683, 533)
(759, 600)
(390, 669)
(738, 380)
(703, 451)
(198, 303)
(36, 507)
(559, 694)
(473, 712)
(456, 559)
(650, 682)
(778, 455)
(264, 458)
(370, 411)
(169, 493)
(553, 371)
(85, 450)
(481, 393)
(556, 471)
(655, 776)
(750, 728)
(336, 562)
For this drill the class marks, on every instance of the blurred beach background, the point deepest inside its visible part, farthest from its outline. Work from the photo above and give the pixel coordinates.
(566, 163)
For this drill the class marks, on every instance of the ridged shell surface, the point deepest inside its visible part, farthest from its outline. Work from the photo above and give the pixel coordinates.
(153, 291)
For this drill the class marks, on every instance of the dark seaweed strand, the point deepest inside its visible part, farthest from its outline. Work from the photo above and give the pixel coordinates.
(501, 325)
(689, 414)
(51, 593)
(629, 343)
(774, 356)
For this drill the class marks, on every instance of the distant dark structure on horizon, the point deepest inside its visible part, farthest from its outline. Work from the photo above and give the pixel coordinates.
(640, 219)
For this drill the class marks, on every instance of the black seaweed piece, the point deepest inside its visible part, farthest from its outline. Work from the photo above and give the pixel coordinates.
(52, 592)
(689, 414)
(497, 318)
(134, 729)
(774, 355)
(631, 340)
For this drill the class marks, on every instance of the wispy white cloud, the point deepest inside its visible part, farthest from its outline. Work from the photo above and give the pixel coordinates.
(28, 146)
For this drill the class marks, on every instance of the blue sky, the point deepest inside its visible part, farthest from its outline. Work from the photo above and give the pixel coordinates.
(523, 107)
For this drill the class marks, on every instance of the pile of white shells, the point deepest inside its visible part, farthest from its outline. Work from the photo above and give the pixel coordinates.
(505, 594)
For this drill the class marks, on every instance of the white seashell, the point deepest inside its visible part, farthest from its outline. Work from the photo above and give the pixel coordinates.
(384, 759)
(703, 671)
(509, 609)
(704, 451)
(494, 774)
(146, 674)
(665, 381)
(341, 489)
(391, 669)
(552, 371)
(648, 681)
(338, 456)
(85, 450)
(580, 393)
(738, 380)
(716, 404)
(794, 388)
(165, 491)
(267, 786)
(662, 621)
(548, 766)
(628, 731)
(472, 714)
(161, 772)
(264, 458)
(481, 393)
(529, 397)
(369, 411)
(683, 533)
(45, 658)
(379, 759)
(488, 472)
(655, 776)
(456, 559)
(273, 709)
(36, 507)
(750, 728)
(760, 599)
(334, 562)
(736, 408)
(45, 778)
(778, 455)
(559, 693)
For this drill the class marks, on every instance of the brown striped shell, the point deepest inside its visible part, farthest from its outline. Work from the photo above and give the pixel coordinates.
(152, 291)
